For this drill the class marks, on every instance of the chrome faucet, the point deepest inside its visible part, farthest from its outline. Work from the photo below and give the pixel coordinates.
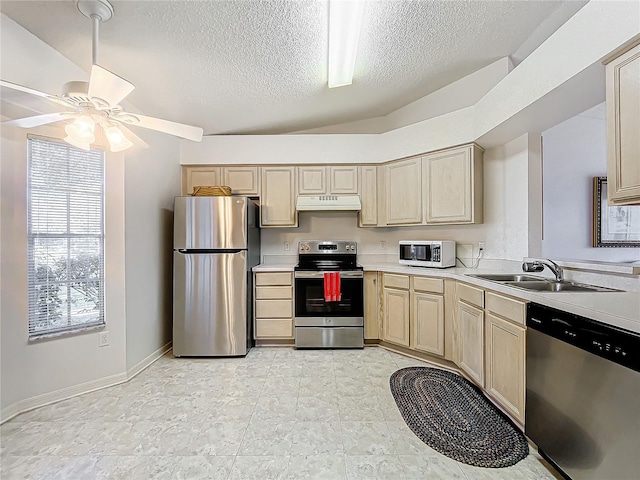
(538, 266)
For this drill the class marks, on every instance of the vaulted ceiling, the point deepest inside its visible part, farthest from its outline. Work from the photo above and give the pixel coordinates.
(260, 66)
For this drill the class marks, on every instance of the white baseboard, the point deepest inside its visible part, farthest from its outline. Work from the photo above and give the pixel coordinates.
(21, 406)
(145, 362)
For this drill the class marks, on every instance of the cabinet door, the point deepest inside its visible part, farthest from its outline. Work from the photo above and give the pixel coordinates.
(368, 197)
(278, 197)
(396, 316)
(427, 319)
(505, 365)
(199, 176)
(471, 337)
(343, 180)
(312, 180)
(371, 306)
(623, 127)
(403, 192)
(242, 180)
(452, 185)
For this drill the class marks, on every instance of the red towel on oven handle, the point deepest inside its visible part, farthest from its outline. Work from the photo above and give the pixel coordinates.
(327, 286)
(338, 292)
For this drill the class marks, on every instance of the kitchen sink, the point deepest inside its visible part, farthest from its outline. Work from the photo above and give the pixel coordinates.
(539, 284)
(553, 286)
(501, 277)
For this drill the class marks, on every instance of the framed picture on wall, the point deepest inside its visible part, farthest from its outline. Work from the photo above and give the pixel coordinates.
(613, 226)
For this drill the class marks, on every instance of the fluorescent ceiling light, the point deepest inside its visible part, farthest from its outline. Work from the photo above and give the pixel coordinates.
(345, 20)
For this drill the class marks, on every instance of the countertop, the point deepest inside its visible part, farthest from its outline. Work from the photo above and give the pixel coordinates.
(621, 309)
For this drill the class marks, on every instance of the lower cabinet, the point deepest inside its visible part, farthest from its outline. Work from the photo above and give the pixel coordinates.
(427, 318)
(371, 322)
(471, 338)
(396, 316)
(414, 312)
(273, 306)
(505, 358)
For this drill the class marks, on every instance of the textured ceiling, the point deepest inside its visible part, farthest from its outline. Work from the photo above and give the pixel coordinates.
(260, 66)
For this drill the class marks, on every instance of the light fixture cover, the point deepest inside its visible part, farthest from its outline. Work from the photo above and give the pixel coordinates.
(345, 20)
(117, 139)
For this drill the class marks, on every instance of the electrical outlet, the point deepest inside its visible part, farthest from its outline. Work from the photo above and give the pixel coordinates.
(287, 246)
(480, 247)
(103, 339)
(383, 244)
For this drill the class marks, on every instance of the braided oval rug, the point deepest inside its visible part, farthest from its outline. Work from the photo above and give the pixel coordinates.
(449, 414)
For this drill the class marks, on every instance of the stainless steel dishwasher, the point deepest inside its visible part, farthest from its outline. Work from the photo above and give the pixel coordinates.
(583, 395)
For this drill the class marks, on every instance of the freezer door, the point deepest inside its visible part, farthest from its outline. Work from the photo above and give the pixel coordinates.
(210, 304)
(210, 223)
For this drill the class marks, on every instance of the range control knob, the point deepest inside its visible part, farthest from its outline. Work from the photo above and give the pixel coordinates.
(348, 247)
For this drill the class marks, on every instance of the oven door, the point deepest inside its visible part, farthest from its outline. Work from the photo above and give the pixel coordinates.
(309, 296)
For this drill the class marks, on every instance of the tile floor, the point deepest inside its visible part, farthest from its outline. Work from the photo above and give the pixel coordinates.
(278, 413)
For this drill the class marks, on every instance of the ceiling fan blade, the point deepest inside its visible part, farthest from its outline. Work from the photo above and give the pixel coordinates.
(135, 139)
(38, 93)
(172, 128)
(108, 86)
(31, 122)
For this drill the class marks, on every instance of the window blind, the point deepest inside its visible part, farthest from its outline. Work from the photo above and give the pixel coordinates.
(66, 238)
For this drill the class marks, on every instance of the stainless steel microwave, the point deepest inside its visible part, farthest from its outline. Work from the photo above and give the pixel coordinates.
(428, 253)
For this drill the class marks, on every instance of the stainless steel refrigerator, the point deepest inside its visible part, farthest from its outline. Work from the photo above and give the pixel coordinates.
(216, 242)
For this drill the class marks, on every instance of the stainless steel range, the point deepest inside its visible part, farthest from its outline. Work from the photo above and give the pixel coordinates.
(328, 294)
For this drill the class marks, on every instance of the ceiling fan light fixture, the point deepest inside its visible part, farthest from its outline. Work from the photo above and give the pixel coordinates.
(345, 21)
(118, 141)
(81, 130)
(81, 145)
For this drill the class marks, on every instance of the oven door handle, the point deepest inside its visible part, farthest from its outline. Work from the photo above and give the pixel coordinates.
(321, 275)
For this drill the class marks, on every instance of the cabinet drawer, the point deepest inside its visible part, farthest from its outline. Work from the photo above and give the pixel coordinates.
(433, 285)
(471, 295)
(274, 309)
(280, 278)
(509, 308)
(396, 281)
(274, 328)
(273, 292)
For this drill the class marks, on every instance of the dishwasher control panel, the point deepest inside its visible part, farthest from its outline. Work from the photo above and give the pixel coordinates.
(613, 343)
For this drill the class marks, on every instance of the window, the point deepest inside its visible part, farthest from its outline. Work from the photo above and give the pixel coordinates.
(66, 238)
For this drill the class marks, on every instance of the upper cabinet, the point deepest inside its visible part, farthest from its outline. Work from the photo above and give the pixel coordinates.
(452, 186)
(242, 180)
(368, 198)
(343, 180)
(312, 180)
(322, 180)
(438, 188)
(278, 197)
(623, 128)
(403, 192)
(199, 176)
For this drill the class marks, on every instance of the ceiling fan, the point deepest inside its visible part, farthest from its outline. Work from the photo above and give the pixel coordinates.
(97, 102)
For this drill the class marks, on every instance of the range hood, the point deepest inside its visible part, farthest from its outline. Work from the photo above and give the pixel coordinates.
(328, 203)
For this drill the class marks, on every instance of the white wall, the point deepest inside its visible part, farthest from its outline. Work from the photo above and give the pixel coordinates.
(574, 152)
(138, 305)
(35, 370)
(152, 179)
(506, 215)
